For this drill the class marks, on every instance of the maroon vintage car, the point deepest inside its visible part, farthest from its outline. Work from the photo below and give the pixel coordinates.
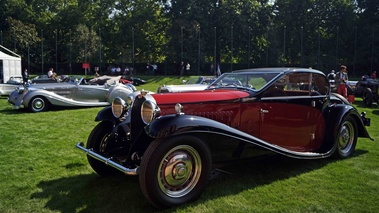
(174, 140)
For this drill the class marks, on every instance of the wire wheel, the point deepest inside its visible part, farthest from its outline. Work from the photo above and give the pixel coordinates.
(347, 138)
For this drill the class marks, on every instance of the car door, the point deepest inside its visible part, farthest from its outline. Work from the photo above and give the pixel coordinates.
(89, 93)
(291, 112)
(62, 89)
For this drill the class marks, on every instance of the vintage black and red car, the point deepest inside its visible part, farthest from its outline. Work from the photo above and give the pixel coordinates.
(174, 140)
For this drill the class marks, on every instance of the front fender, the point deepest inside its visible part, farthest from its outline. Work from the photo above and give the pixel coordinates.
(105, 114)
(59, 100)
(16, 99)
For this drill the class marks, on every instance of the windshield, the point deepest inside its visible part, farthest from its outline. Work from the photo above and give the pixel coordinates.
(253, 81)
(73, 79)
(200, 80)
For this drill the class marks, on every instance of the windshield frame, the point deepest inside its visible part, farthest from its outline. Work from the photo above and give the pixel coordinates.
(253, 81)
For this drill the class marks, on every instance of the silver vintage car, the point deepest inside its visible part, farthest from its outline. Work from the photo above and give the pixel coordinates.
(8, 87)
(75, 91)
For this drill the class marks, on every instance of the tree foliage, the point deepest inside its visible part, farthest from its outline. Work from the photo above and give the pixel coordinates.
(242, 33)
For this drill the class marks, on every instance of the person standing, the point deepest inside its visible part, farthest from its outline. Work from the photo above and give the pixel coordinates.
(373, 75)
(218, 70)
(25, 77)
(182, 67)
(50, 73)
(342, 79)
(188, 68)
(155, 69)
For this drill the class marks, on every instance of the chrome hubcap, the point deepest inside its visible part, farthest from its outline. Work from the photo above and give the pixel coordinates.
(179, 171)
(38, 104)
(346, 137)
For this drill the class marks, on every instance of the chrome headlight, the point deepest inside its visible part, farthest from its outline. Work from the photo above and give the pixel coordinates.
(149, 111)
(118, 107)
(21, 90)
(129, 100)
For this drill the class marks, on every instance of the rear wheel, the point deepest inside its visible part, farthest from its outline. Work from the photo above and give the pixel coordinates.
(346, 138)
(38, 104)
(175, 171)
(368, 97)
(100, 141)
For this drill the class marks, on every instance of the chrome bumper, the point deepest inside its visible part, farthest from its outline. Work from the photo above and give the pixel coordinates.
(107, 161)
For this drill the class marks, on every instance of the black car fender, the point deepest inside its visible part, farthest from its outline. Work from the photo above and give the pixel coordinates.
(172, 125)
(105, 114)
(334, 115)
(121, 127)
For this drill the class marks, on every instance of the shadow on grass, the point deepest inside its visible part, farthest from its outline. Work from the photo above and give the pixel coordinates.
(93, 193)
(374, 107)
(120, 193)
(12, 111)
(51, 109)
(254, 173)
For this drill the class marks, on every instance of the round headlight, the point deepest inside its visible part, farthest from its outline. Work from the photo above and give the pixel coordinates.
(118, 107)
(20, 90)
(148, 111)
(129, 100)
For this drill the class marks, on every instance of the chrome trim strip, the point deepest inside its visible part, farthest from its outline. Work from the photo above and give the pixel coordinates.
(107, 161)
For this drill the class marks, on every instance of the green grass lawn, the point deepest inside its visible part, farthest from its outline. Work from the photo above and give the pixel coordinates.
(42, 171)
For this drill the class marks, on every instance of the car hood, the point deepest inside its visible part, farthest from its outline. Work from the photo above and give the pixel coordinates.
(199, 96)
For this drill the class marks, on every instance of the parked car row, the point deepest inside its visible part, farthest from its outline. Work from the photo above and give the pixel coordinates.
(174, 140)
(368, 89)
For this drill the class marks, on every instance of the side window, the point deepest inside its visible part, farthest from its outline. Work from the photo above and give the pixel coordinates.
(321, 83)
(299, 84)
(278, 89)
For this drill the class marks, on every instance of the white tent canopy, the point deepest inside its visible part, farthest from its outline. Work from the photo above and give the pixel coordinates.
(10, 65)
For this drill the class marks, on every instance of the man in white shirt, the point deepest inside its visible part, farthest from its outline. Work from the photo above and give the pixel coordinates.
(50, 73)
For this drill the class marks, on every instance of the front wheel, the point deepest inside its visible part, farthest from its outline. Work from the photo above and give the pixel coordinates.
(175, 171)
(367, 100)
(38, 104)
(100, 140)
(346, 138)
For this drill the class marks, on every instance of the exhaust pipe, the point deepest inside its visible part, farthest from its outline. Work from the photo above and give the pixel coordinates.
(107, 161)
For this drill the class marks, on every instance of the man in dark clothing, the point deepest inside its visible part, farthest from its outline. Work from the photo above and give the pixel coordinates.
(25, 77)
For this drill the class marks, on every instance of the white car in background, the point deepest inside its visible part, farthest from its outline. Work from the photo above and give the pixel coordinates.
(8, 87)
(194, 84)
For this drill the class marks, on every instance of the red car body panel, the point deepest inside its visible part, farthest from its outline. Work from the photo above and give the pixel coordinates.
(292, 126)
